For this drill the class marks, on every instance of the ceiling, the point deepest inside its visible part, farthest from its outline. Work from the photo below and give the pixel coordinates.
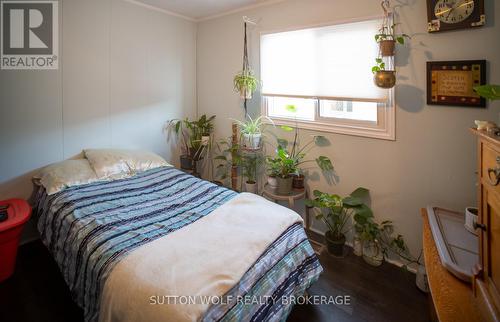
(202, 9)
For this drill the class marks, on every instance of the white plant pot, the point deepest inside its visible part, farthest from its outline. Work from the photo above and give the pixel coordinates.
(272, 182)
(251, 187)
(421, 279)
(357, 246)
(252, 141)
(245, 94)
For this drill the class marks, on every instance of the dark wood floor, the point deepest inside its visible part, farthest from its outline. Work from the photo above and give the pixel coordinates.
(37, 293)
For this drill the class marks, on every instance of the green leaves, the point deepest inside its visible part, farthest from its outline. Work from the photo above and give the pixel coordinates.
(324, 163)
(245, 80)
(380, 65)
(291, 108)
(286, 128)
(491, 92)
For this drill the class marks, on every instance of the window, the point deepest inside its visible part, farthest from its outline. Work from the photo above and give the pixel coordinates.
(326, 74)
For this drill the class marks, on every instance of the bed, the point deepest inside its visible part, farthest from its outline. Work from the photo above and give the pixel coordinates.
(163, 245)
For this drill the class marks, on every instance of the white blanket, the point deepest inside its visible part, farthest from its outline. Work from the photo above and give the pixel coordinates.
(206, 258)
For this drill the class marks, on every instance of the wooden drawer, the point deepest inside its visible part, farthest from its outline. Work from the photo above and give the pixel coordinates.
(490, 167)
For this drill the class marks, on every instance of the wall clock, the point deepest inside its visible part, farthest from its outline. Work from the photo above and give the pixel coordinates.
(445, 15)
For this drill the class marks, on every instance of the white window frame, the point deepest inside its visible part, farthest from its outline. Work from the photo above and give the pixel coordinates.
(384, 128)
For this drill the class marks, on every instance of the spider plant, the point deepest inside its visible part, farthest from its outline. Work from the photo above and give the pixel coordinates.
(245, 83)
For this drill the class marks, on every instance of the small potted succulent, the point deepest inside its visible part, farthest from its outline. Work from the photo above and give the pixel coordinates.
(383, 78)
(336, 212)
(245, 83)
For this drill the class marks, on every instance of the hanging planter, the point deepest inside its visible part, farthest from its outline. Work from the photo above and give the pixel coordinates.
(245, 83)
(383, 78)
(387, 39)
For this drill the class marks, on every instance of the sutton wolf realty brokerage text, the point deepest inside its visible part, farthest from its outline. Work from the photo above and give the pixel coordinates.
(250, 300)
(29, 34)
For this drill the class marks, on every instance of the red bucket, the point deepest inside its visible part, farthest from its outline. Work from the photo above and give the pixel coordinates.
(10, 232)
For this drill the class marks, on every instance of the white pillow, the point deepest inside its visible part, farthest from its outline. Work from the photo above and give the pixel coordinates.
(117, 164)
(65, 174)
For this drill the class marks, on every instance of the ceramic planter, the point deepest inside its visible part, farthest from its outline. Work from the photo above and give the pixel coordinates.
(335, 246)
(387, 47)
(298, 181)
(251, 186)
(252, 141)
(272, 181)
(357, 246)
(385, 78)
(187, 162)
(284, 185)
(372, 253)
(245, 93)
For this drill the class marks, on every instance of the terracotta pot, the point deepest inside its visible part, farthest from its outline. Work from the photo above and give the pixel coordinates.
(335, 246)
(298, 181)
(284, 185)
(387, 47)
(385, 78)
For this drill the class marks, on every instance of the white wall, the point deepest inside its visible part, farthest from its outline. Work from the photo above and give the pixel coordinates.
(433, 159)
(124, 71)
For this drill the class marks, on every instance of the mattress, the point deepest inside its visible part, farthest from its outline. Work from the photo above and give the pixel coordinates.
(90, 229)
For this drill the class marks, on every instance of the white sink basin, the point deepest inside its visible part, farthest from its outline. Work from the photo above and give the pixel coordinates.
(457, 247)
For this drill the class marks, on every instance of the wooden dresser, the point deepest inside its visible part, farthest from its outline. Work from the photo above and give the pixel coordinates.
(486, 283)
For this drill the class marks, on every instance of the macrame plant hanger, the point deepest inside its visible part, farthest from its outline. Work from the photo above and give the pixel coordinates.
(387, 21)
(246, 64)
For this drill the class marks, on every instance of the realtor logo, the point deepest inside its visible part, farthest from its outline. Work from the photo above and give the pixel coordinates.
(29, 35)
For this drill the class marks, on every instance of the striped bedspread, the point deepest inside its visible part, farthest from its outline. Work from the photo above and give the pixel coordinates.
(88, 229)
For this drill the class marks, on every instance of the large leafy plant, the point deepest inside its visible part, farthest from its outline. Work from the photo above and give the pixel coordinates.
(491, 92)
(298, 152)
(336, 211)
(190, 132)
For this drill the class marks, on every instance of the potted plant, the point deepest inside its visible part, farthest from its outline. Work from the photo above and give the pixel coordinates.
(491, 92)
(299, 152)
(336, 213)
(245, 83)
(194, 136)
(383, 78)
(285, 167)
(250, 165)
(273, 171)
(252, 131)
(387, 39)
(378, 243)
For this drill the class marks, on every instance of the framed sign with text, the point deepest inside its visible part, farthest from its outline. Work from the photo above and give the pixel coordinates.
(452, 83)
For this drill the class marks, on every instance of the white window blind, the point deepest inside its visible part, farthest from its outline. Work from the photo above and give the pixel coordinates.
(331, 62)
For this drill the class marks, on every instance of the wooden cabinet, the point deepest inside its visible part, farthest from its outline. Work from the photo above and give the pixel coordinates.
(486, 284)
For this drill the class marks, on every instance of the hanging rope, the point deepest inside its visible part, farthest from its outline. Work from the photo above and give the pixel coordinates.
(246, 64)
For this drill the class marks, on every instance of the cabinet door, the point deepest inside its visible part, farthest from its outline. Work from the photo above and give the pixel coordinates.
(491, 245)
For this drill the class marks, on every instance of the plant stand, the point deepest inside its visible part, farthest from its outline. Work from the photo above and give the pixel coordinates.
(296, 194)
